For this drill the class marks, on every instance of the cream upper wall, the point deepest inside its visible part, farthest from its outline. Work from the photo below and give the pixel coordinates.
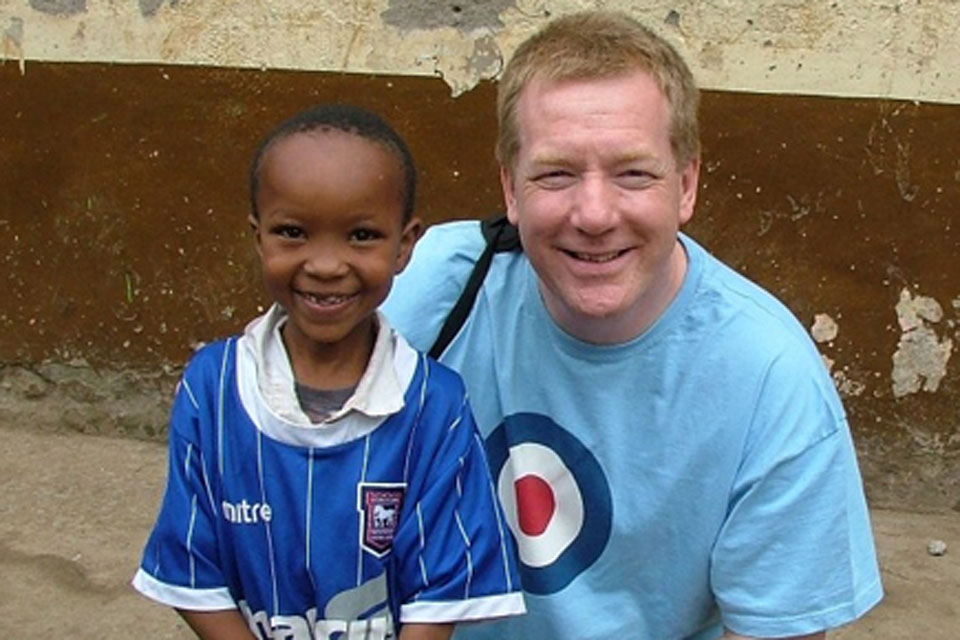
(907, 50)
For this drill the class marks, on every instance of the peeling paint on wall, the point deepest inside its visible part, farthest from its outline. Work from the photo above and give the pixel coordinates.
(149, 8)
(824, 328)
(847, 386)
(486, 59)
(462, 69)
(464, 15)
(779, 46)
(60, 7)
(920, 361)
(13, 43)
(912, 312)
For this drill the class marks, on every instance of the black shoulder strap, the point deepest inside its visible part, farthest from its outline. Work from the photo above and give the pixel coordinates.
(501, 236)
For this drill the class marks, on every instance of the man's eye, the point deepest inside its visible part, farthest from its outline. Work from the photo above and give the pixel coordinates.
(554, 179)
(635, 178)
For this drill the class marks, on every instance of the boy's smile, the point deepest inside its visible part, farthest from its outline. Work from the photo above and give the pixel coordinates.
(331, 237)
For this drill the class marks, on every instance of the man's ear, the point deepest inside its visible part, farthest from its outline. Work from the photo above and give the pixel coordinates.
(255, 230)
(408, 238)
(509, 197)
(689, 179)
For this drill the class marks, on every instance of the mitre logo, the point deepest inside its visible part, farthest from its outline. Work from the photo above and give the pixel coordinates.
(244, 512)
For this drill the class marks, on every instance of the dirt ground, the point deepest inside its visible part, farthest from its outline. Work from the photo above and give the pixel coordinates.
(75, 510)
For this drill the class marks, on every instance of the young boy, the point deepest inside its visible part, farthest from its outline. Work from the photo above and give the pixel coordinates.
(326, 480)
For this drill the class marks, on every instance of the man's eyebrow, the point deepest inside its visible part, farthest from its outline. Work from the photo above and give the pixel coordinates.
(548, 159)
(552, 159)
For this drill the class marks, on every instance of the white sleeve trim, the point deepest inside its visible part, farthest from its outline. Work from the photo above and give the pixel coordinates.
(216, 599)
(507, 604)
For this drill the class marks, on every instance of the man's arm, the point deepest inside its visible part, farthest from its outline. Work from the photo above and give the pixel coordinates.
(220, 625)
(730, 635)
(426, 631)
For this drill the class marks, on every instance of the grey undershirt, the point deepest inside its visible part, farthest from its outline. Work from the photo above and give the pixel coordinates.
(320, 404)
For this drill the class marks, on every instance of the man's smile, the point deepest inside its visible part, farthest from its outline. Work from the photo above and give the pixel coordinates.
(596, 257)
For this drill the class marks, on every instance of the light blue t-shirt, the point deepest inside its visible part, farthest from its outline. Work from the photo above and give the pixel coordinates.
(700, 475)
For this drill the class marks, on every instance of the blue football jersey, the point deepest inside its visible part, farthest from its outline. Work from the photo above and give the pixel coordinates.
(317, 532)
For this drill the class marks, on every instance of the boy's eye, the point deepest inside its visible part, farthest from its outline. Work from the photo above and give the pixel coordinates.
(364, 235)
(288, 231)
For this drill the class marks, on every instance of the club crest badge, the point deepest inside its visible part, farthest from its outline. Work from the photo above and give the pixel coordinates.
(379, 504)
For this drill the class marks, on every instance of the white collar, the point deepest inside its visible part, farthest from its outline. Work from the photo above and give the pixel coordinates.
(266, 382)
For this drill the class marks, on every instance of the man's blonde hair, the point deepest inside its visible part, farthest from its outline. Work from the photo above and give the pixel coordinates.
(598, 44)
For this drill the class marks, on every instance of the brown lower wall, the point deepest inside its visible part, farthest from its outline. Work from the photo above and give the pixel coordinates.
(123, 239)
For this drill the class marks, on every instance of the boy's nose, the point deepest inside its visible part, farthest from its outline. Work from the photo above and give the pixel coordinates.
(324, 262)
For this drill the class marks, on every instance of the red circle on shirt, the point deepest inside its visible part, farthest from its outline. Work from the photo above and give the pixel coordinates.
(535, 504)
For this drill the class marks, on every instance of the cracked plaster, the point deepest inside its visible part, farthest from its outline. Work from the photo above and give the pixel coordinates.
(769, 45)
(920, 361)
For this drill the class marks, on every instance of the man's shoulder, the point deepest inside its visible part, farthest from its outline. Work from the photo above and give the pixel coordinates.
(458, 239)
(427, 290)
(750, 326)
(723, 289)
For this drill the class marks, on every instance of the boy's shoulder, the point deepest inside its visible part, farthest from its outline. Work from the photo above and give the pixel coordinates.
(443, 378)
(211, 352)
(210, 361)
(422, 373)
(430, 385)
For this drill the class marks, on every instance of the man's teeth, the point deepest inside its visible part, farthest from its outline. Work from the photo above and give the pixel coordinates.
(595, 257)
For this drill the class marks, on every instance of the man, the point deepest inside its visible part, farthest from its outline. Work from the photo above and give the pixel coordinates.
(672, 456)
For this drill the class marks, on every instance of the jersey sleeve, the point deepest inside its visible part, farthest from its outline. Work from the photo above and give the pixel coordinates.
(455, 558)
(179, 566)
(796, 553)
(425, 292)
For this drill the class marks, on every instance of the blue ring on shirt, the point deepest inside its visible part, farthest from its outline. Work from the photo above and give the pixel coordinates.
(584, 550)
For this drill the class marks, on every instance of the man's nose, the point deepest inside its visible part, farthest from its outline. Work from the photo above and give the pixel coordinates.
(595, 207)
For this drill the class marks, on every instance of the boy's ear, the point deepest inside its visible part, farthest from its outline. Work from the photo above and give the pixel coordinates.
(255, 229)
(408, 238)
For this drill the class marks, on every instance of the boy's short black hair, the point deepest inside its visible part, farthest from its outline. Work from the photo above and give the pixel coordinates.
(349, 119)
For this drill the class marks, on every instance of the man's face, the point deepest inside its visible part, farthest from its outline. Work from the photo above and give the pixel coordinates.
(598, 197)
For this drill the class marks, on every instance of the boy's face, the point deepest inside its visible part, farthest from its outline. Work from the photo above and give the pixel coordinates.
(331, 237)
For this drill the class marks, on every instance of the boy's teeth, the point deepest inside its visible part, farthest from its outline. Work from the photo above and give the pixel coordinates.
(324, 300)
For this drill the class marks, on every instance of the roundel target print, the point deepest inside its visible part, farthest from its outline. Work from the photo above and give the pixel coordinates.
(555, 496)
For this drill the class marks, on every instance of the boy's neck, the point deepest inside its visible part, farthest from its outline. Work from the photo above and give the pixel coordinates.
(328, 366)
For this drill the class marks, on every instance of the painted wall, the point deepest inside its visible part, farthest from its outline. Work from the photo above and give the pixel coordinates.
(888, 48)
(831, 176)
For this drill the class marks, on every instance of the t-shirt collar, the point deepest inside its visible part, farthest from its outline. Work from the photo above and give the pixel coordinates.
(379, 393)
